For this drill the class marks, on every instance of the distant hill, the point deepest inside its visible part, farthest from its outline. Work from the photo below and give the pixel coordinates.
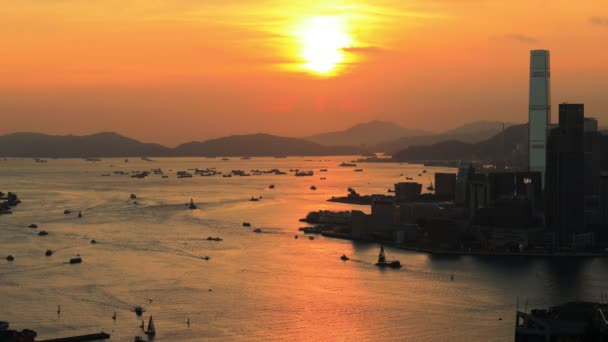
(106, 144)
(261, 145)
(366, 134)
(488, 150)
(469, 133)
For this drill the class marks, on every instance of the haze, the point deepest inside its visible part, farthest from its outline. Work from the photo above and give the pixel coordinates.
(174, 71)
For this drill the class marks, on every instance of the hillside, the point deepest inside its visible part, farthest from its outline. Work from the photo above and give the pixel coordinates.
(260, 145)
(106, 144)
(469, 133)
(365, 134)
(488, 150)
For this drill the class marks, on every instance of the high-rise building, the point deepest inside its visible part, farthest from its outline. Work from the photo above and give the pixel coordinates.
(539, 115)
(565, 193)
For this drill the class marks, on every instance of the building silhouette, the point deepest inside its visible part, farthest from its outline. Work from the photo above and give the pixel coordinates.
(564, 185)
(539, 115)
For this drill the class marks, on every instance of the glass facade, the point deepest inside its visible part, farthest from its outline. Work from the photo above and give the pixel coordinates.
(539, 115)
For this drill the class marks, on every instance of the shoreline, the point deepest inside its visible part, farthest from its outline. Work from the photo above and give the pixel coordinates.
(444, 252)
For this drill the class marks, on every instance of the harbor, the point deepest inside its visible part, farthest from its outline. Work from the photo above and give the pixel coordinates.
(152, 254)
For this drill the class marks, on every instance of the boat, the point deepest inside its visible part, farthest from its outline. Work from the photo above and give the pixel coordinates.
(246, 224)
(225, 158)
(296, 237)
(423, 171)
(228, 175)
(139, 338)
(151, 331)
(304, 173)
(10, 258)
(133, 196)
(138, 310)
(323, 178)
(431, 187)
(76, 260)
(323, 170)
(344, 257)
(80, 214)
(192, 205)
(43, 233)
(382, 262)
(257, 230)
(347, 165)
(271, 186)
(358, 170)
(165, 176)
(311, 238)
(313, 187)
(67, 212)
(214, 238)
(33, 226)
(254, 199)
(48, 252)
(93, 241)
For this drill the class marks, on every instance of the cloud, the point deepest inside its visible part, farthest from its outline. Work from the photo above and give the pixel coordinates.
(599, 21)
(522, 38)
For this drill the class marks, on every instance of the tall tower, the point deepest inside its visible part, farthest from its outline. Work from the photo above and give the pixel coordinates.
(539, 115)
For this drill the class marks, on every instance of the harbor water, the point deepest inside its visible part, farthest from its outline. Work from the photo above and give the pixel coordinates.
(264, 286)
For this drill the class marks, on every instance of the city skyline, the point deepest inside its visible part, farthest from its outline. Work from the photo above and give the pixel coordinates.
(83, 67)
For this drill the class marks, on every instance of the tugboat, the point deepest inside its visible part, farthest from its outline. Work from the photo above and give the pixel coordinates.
(246, 224)
(382, 262)
(76, 260)
(192, 205)
(151, 331)
(344, 257)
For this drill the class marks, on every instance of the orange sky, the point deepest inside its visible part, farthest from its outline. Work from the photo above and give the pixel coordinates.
(171, 71)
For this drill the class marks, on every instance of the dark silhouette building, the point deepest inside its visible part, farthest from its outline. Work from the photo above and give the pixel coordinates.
(445, 185)
(407, 191)
(603, 203)
(564, 184)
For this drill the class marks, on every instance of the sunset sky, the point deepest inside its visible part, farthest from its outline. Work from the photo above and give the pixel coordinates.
(171, 71)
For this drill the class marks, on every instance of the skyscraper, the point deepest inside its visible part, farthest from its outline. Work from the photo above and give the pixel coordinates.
(564, 188)
(539, 115)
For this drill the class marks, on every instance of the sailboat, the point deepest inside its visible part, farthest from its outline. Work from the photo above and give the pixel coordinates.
(151, 331)
(382, 262)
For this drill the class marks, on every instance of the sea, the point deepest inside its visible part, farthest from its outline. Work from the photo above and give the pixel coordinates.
(266, 286)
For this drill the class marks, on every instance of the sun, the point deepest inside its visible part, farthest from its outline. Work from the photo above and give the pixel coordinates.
(322, 40)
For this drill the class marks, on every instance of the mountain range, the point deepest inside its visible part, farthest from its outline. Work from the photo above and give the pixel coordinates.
(507, 145)
(365, 134)
(109, 144)
(359, 139)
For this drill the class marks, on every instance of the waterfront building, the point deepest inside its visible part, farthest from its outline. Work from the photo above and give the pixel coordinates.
(565, 196)
(407, 191)
(445, 186)
(539, 115)
(603, 203)
(465, 172)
